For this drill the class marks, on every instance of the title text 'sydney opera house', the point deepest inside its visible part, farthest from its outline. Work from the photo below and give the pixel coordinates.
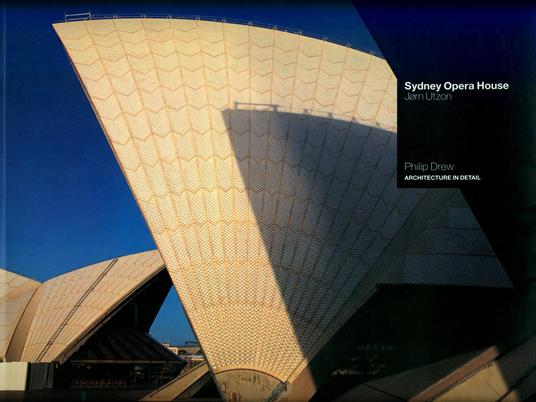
(264, 164)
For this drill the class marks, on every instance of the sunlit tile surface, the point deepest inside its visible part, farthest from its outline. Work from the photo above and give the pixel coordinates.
(71, 304)
(15, 293)
(264, 165)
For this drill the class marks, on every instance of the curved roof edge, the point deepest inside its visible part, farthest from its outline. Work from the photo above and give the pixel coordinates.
(236, 21)
(66, 308)
(15, 293)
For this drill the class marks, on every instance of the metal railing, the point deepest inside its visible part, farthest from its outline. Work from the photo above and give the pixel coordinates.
(91, 16)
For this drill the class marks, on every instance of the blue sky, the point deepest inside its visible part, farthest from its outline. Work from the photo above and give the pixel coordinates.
(67, 204)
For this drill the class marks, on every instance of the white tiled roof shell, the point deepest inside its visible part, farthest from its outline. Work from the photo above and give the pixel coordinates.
(15, 293)
(245, 241)
(79, 299)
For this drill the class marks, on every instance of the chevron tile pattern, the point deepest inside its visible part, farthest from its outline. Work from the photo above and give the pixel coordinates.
(264, 165)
